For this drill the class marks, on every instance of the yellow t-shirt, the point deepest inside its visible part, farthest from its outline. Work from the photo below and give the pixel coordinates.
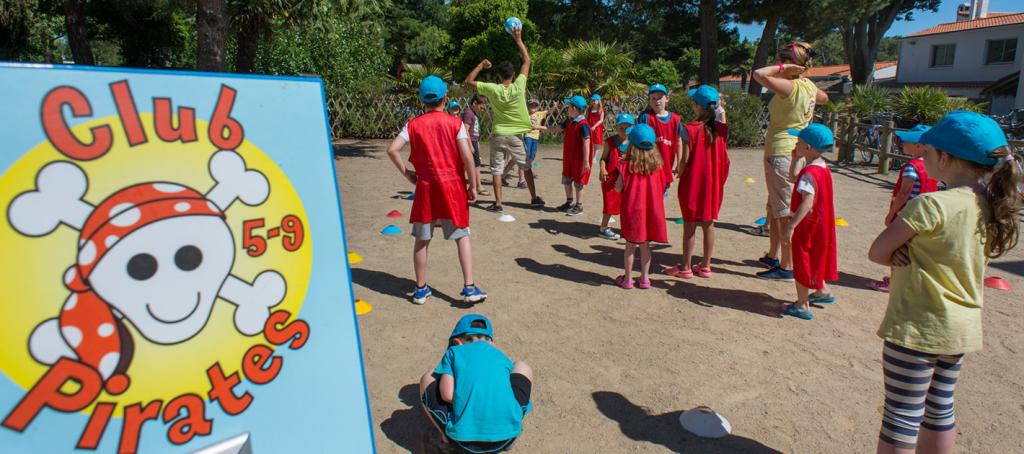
(536, 119)
(793, 111)
(508, 104)
(935, 302)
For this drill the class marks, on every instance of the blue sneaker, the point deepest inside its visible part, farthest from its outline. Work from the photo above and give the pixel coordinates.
(777, 274)
(420, 294)
(769, 262)
(823, 299)
(473, 294)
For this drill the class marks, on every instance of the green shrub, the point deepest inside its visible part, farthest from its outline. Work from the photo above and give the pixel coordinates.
(744, 110)
(866, 100)
(921, 104)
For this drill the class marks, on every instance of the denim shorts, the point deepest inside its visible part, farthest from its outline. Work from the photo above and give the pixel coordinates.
(531, 149)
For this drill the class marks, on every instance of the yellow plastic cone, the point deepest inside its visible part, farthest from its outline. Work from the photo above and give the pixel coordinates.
(748, 180)
(362, 307)
(354, 257)
(840, 222)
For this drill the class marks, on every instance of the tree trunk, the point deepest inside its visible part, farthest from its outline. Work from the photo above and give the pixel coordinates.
(248, 36)
(764, 47)
(862, 38)
(708, 42)
(78, 35)
(211, 30)
(743, 80)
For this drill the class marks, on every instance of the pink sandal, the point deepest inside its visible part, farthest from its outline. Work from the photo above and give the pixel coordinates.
(623, 283)
(881, 286)
(677, 270)
(703, 271)
(644, 283)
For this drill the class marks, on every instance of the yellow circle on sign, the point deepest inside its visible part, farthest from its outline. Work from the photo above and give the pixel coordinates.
(32, 288)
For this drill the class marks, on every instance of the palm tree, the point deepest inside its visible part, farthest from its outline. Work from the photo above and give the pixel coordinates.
(598, 67)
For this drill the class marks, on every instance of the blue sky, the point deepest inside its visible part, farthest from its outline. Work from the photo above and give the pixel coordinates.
(922, 19)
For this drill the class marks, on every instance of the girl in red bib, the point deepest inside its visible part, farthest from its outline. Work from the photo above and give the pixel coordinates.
(667, 128)
(811, 233)
(614, 149)
(576, 155)
(703, 169)
(595, 118)
(642, 184)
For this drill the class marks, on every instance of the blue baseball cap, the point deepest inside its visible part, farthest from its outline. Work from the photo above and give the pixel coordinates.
(704, 95)
(577, 102)
(642, 136)
(967, 135)
(465, 326)
(595, 97)
(914, 134)
(624, 118)
(656, 88)
(432, 89)
(817, 135)
(453, 105)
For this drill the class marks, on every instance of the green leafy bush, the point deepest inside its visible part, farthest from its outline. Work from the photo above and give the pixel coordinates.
(866, 100)
(661, 71)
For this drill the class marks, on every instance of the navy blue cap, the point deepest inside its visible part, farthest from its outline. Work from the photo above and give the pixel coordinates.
(655, 88)
(465, 326)
(642, 136)
(817, 135)
(577, 101)
(704, 95)
(624, 118)
(913, 135)
(432, 89)
(967, 135)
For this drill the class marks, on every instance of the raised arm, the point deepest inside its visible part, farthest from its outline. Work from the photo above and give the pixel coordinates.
(471, 78)
(776, 81)
(517, 34)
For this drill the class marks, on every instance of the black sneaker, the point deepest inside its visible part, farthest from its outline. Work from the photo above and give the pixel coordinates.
(536, 202)
(494, 207)
(575, 210)
(565, 206)
(777, 274)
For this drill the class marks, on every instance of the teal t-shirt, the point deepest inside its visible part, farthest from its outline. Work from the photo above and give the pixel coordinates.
(483, 407)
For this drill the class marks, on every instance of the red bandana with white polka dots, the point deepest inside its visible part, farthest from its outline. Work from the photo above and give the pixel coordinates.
(88, 324)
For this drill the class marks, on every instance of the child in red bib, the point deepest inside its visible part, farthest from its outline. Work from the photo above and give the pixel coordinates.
(441, 155)
(667, 128)
(641, 183)
(913, 182)
(703, 169)
(614, 150)
(595, 118)
(811, 233)
(576, 155)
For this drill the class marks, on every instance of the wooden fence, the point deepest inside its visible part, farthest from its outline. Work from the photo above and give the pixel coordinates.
(870, 140)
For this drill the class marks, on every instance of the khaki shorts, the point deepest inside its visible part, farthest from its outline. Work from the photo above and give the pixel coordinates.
(780, 187)
(502, 145)
(425, 231)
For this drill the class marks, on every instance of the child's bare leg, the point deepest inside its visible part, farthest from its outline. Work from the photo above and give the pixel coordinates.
(425, 382)
(823, 291)
(465, 259)
(628, 259)
(786, 253)
(801, 297)
(523, 369)
(708, 229)
(568, 191)
(645, 260)
(930, 441)
(529, 182)
(479, 186)
(508, 167)
(886, 448)
(419, 261)
(579, 194)
(774, 237)
(604, 221)
(521, 175)
(689, 238)
(496, 185)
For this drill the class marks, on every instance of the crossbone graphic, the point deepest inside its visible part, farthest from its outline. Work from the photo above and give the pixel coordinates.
(155, 254)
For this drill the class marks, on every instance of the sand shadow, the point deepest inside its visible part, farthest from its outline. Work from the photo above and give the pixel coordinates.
(398, 287)
(851, 281)
(559, 271)
(741, 300)
(855, 172)
(1016, 267)
(583, 230)
(355, 150)
(611, 256)
(639, 424)
(405, 427)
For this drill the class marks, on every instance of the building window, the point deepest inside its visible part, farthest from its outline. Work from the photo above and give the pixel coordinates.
(1001, 51)
(942, 55)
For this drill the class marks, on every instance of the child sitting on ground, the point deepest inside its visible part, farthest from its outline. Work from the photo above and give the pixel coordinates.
(576, 156)
(476, 396)
(913, 182)
(642, 185)
(811, 233)
(614, 149)
(938, 246)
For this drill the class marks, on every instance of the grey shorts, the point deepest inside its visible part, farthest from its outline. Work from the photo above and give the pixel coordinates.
(502, 145)
(425, 231)
(780, 188)
(567, 180)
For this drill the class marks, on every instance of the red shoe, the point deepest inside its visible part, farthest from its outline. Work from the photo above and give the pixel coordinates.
(678, 271)
(703, 271)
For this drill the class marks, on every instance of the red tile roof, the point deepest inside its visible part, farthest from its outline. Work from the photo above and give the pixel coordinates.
(993, 20)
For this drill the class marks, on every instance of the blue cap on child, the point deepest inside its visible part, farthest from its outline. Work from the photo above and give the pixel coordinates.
(913, 135)
(642, 136)
(817, 135)
(432, 89)
(967, 135)
(577, 102)
(656, 88)
(624, 118)
(465, 326)
(595, 97)
(453, 105)
(704, 95)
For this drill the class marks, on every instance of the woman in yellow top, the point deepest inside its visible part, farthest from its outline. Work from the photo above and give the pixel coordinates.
(791, 107)
(939, 246)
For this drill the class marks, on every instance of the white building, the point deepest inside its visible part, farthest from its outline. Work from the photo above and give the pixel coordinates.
(965, 57)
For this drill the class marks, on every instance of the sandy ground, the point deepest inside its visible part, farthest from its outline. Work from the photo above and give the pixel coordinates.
(615, 368)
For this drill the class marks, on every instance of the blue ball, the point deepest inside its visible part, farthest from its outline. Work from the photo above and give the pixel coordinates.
(513, 23)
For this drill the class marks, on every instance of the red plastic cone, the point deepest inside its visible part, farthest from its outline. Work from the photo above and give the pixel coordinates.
(394, 214)
(997, 283)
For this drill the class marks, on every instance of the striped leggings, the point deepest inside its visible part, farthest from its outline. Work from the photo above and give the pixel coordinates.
(918, 392)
